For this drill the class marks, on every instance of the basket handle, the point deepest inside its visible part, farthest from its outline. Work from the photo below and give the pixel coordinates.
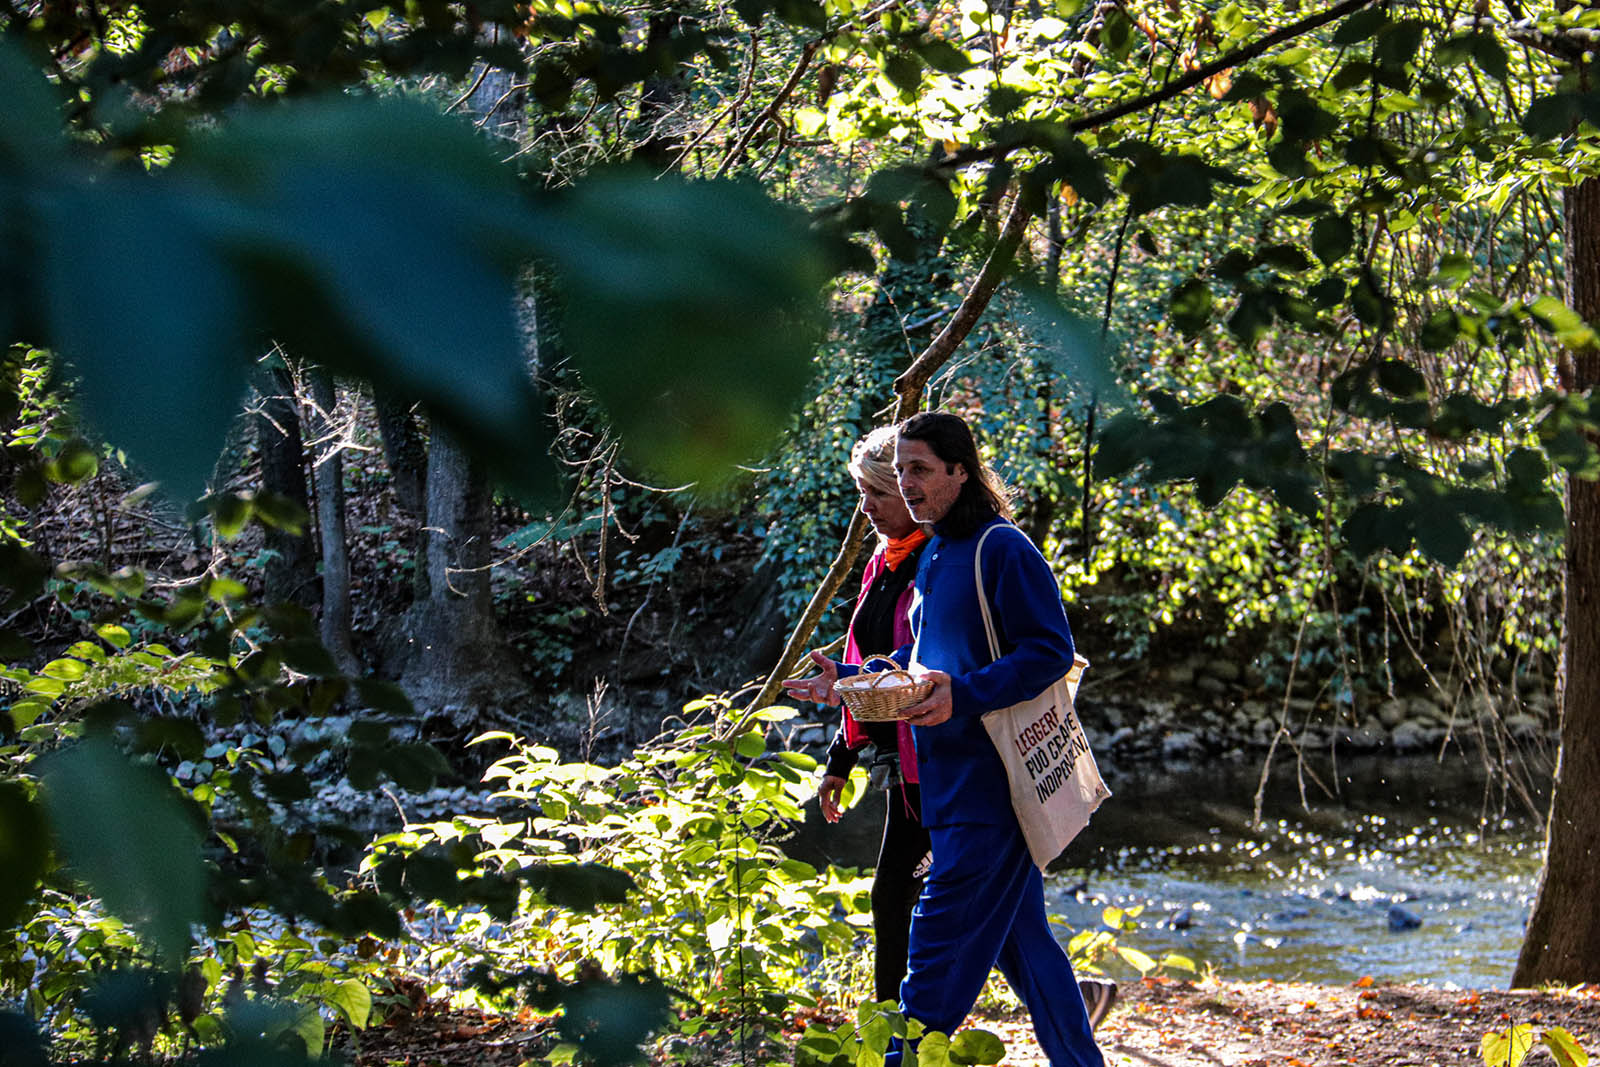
(893, 666)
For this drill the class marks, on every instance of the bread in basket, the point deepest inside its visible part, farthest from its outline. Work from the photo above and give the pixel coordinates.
(881, 696)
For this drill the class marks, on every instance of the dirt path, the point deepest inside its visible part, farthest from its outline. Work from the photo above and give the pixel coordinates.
(1155, 1024)
(1254, 1024)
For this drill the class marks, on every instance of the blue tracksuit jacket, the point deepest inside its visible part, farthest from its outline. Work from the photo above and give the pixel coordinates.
(965, 781)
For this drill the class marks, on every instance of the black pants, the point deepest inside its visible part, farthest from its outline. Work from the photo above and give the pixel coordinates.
(896, 886)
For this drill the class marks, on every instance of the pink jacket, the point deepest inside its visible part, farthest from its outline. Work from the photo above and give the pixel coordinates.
(854, 735)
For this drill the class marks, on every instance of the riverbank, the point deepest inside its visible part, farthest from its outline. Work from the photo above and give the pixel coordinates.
(1155, 1024)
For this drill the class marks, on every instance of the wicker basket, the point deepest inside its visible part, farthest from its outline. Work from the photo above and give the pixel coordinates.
(882, 695)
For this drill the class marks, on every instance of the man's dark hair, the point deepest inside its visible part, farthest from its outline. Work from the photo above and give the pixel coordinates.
(983, 494)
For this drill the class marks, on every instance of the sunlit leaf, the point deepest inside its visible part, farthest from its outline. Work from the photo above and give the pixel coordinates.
(973, 1046)
(353, 999)
(1506, 1048)
(1564, 1047)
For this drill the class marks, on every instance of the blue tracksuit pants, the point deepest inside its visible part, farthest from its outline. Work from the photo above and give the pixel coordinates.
(982, 906)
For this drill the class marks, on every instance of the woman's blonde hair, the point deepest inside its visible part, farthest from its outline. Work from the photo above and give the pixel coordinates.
(872, 460)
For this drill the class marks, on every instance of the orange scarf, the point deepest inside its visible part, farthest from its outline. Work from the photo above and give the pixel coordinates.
(897, 549)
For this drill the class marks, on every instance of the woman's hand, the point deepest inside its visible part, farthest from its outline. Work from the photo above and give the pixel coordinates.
(818, 688)
(828, 793)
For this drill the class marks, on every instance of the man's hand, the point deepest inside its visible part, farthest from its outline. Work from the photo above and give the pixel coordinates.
(818, 688)
(828, 792)
(936, 708)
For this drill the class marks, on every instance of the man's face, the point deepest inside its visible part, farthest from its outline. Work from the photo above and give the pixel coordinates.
(928, 484)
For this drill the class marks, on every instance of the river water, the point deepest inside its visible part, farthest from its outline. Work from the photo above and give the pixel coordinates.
(1308, 895)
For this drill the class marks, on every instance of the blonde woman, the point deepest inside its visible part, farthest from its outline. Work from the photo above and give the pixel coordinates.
(880, 625)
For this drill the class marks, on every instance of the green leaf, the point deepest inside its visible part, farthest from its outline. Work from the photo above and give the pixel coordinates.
(230, 513)
(65, 670)
(1551, 116)
(944, 57)
(1440, 331)
(415, 766)
(1332, 237)
(306, 656)
(579, 886)
(1441, 534)
(1191, 306)
(1360, 25)
(1139, 961)
(384, 696)
(1371, 304)
(353, 999)
(158, 376)
(1559, 319)
(977, 1047)
(610, 1021)
(124, 832)
(1402, 380)
(1283, 257)
(934, 1050)
(75, 462)
(1506, 1048)
(1397, 44)
(751, 744)
(1490, 55)
(801, 760)
(652, 269)
(308, 1027)
(23, 837)
(1564, 1047)
(114, 635)
(1453, 269)
(429, 220)
(903, 71)
(1527, 466)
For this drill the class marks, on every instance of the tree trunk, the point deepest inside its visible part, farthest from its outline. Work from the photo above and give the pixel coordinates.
(456, 662)
(404, 453)
(329, 477)
(662, 96)
(290, 573)
(1562, 941)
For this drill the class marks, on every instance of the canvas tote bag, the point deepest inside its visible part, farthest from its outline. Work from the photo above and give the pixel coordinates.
(1055, 783)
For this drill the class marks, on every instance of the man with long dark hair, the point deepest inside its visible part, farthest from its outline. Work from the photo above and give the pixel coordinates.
(982, 904)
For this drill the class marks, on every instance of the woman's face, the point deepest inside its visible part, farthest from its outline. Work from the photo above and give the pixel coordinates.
(885, 510)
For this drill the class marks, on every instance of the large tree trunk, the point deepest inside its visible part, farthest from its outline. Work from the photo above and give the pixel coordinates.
(329, 477)
(456, 661)
(1562, 942)
(290, 574)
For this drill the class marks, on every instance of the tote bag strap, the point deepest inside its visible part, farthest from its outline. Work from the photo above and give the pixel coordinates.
(983, 598)
(1078, 661)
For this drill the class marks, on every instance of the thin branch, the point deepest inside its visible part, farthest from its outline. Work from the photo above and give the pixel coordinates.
(908, 386)
(771, 110)
(464, 97)
(732, 107)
